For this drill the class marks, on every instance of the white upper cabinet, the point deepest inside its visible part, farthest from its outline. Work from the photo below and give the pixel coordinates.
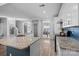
(69, 14)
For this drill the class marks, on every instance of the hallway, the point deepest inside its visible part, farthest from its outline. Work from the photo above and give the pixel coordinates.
(43, 47)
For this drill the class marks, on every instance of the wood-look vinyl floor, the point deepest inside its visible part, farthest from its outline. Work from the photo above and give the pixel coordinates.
(45, 47)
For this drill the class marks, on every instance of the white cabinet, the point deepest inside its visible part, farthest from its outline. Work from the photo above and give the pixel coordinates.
(69, 14)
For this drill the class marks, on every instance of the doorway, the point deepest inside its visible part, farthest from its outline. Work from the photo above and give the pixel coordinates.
(25, 29)
(35, 30)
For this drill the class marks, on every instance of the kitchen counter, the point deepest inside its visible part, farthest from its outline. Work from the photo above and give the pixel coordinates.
(16, 42)
(68, 43)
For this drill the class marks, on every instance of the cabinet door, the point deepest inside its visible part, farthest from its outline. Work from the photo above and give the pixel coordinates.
(17, 52)
(2, 50)
(69, 14)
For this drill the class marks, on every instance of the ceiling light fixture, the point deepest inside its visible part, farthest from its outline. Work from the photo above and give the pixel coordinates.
(42, 5)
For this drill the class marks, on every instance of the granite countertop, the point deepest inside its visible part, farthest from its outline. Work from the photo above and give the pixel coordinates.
(68, 43)
(16, 42)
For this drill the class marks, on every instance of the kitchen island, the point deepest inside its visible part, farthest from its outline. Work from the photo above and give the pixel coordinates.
(17, 46)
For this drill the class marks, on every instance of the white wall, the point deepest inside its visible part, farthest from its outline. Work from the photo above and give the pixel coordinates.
(52, 28)
(78, 12)
(56, 25)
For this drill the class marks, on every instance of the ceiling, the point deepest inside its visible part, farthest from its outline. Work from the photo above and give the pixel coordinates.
(1, 4)
(30, 10)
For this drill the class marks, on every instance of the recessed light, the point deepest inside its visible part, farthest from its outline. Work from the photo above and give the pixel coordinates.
(68, 14)
(44, 11)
